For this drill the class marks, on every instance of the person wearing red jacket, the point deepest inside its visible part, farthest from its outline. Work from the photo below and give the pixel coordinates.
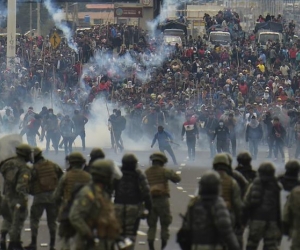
(243, 88)
(190, 129)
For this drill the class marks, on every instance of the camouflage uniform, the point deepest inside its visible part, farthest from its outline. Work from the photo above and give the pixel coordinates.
(74, 177)
(45, 176)
(16, 176)
(131, 191)
(291, 218)
(263, 210)
(92, 213)
(207, 224)
(158, 178)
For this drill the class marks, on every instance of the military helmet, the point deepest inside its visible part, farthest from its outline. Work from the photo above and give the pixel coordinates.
(76, 157)
(266, 169)
(292, 166)
(158, 156)
(97, 153)
(129, 158)
(221, 159)
(37, 151)
(230, 159)
(244, 156)
(103, 169)
(23, 150)
(209, 183)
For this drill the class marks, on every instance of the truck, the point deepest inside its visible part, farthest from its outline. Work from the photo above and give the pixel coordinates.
(219, 37)
(268, 31)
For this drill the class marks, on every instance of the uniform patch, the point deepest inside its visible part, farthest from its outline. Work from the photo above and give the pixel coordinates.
(83, 203)
(25, 176)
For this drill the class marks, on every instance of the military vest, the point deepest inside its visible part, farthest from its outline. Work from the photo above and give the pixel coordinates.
(47, 178)
(73, 178)
(158, 183)
(204, 231)
(127, 189)
(107, 224)
(227, 184)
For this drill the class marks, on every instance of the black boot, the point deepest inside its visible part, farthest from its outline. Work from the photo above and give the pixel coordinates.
(52, 242)
(163, 244)
(3, 241)
(32, 245)
(151, 244)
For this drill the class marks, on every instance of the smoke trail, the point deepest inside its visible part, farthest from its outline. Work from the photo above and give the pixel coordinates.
(57, 16)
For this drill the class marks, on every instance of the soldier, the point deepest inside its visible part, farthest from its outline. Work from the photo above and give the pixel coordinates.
(44, 179)
(230, 189)
(67, 129)
(158, 178)
(222, 134)
(164, 138)
(79, 122)
(92, 213)
(207, 221)
(96, 154)
(16, 176)
(132, 195)
(290, 178)
(262, 207)
(291, 218)
(50, 127)
(191, 130)
(73, 178)
(244, 166)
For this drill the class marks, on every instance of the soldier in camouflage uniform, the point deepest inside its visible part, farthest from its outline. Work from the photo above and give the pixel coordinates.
(73, 178)
(131, 191)
(16, 176)
(262, 207)
(230, 189)
(158, 177)
(207, 222)
(92, 213)
(291, 218)
(244, 166)
(45, 175)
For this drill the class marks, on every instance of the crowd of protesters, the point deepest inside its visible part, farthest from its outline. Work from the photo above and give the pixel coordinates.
(155, 83)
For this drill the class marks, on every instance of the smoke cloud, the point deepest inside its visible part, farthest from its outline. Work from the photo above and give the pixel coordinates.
(57, 16)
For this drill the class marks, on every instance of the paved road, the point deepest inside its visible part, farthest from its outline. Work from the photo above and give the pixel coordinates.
(180, 194)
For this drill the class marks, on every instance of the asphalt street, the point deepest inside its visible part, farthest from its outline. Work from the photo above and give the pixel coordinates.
(180, 194)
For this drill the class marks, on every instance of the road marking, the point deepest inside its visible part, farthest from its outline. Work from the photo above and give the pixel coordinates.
(198, 178)
(44, 245)
(178, 172)
(179, 188)
(184, 191)
(142, 243)
(182, 164)
(27, 229)
(141, 233)
(192, 196)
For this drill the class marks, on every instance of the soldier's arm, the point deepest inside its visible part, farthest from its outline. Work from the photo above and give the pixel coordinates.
(22, 187)
(145, 190)
(79, 211)
(237, 201)
(224, 226)
(172, 176)
(58, 192)
(287, 216)
(186, 224)
(58, 171)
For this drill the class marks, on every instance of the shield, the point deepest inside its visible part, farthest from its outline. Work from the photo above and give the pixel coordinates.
(8, 145)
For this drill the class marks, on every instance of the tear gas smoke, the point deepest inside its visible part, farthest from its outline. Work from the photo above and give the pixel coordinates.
(57, 16)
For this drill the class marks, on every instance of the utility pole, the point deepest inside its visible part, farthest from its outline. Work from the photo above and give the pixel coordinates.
(38, 27)
(30, 18)
(11, 33)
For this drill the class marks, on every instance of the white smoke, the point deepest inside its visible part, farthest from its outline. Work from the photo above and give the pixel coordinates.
(58, 16)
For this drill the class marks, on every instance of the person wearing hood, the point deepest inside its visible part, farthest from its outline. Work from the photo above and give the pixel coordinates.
(254, 133)
(223, 136)
(289, 179)
(207, 223)
(262, 208)
(132, 196)
(278, 134)
(244, 166)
